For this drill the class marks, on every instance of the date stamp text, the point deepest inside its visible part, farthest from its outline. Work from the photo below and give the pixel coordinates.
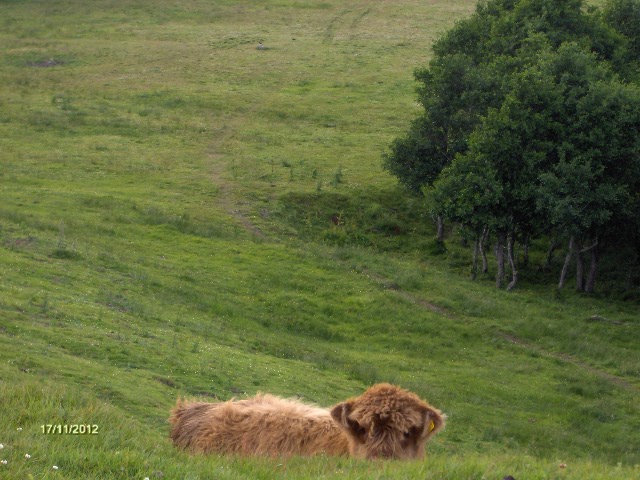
(72, 429)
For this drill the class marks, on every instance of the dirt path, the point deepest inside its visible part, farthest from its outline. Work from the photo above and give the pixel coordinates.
(346, 23)
(395, 288)
(226, 200)
(565, 357)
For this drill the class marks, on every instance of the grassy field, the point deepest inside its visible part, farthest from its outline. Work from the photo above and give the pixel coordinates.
(166, 201)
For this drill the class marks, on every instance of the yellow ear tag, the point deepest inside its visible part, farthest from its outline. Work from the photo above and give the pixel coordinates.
(431, 426)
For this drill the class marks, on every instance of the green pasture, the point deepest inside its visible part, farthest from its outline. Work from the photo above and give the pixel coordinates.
(182, 214)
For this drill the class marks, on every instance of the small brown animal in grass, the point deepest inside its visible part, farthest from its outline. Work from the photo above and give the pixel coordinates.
(384, 422)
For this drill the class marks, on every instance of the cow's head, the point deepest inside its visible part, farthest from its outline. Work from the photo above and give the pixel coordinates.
(388, 422)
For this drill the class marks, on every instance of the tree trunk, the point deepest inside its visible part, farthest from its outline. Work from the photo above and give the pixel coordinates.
(593, 267)
(525, 259)
(565, 267)
(512, 262)
(483, 240)
(474, 267)
(579, 268)
(552, 248)
(502, 237)
(440, 234)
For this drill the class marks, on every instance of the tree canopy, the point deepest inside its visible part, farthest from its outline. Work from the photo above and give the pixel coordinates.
(531, 127)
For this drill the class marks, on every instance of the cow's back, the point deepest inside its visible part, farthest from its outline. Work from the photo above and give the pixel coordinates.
(262, 425)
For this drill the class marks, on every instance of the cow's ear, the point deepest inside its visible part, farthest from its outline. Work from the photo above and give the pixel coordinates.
(434, 421)
(341, 413)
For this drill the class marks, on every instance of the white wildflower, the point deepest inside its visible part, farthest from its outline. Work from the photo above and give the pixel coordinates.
(26, 455)
(55, 467)
(3, 462)
(19, 429)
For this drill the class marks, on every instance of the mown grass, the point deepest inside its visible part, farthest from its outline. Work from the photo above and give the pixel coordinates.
(167, 194)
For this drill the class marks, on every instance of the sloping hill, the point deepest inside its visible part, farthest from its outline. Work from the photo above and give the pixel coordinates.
(183, 214)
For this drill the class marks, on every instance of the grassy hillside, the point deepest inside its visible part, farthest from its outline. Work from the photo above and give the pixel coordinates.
(166, 201)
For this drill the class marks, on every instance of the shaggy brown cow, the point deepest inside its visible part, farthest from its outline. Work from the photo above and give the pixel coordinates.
(385, 421)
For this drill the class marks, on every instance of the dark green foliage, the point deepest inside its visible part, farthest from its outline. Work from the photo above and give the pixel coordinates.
(624, 17)
(414, 158)
(529, 127)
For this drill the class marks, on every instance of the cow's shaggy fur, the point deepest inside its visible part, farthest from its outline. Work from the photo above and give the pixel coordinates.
(386, 421)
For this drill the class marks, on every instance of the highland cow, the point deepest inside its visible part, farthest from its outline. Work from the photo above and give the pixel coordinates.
(384, 422)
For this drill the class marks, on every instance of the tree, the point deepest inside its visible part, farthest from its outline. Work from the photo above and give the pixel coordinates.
(467, 192)
(562, 151)
(591, 191)
(467, 76)
(510, 145)
(624, 17)
(530, 127)
(452, 93)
